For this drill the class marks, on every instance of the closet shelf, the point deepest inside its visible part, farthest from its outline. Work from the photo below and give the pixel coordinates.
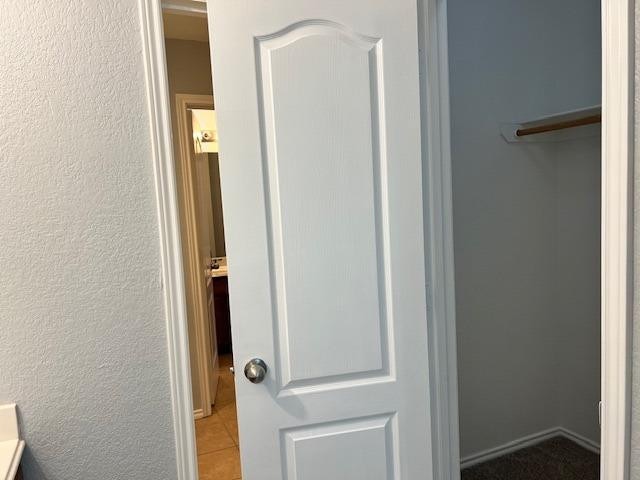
(555, 127)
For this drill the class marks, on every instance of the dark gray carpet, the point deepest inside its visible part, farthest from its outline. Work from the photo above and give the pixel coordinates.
(554, 459)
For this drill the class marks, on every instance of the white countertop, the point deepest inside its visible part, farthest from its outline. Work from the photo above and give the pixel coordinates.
(11, 446)
(10, 454)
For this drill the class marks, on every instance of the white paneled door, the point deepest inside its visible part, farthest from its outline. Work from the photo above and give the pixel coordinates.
(206, 249)
(319, 123)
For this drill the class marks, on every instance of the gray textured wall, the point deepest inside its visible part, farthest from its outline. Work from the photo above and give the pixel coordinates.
(83, 347)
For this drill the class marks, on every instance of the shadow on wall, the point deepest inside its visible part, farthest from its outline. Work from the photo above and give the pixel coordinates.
(30, 467)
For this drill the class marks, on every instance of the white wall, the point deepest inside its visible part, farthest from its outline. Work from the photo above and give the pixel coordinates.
(525, 220)
(83, 348)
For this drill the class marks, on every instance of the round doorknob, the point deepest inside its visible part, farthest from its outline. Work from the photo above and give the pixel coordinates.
(255, 370)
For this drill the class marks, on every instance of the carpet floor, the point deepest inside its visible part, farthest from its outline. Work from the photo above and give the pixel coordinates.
(554, 459)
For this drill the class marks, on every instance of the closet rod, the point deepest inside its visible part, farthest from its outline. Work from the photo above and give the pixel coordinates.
(551, 127)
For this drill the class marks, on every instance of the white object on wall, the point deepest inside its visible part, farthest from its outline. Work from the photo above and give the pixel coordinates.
(11, 446)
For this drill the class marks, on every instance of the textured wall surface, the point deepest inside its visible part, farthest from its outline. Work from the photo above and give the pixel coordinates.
(83, 347)
(525, 220)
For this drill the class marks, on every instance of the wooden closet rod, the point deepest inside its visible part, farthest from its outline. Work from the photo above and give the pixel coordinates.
(551, 127)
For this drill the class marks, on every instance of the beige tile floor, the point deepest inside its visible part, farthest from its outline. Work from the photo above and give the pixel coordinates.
(217, 435)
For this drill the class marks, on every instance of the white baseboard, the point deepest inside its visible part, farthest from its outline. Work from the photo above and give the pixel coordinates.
(198, 414)
(527, 441)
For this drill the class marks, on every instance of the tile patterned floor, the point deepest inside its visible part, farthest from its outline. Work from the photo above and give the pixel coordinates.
(217, 435)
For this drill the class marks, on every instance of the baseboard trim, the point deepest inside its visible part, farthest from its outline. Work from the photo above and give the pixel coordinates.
(584, 442)
(527, 441)
(198, 414)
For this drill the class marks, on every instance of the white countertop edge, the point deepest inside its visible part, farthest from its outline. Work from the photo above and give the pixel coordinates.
(13, 469)
(14, 462)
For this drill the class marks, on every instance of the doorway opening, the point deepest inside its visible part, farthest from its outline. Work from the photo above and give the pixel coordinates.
(526, 180)
(203, 243)
(507, 120)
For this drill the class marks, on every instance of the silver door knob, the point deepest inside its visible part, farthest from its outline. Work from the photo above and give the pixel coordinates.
(255, 370)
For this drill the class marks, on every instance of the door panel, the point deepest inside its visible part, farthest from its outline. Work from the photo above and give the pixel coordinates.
(318, 114)
(324, 191)
(328, 451)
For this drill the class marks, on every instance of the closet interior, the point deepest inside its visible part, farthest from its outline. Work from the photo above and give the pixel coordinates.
(525, 89)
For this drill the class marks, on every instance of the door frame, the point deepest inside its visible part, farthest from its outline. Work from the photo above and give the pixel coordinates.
(617, 152)
(618, 62)
(192, 262)
(161, 136)
(438, 235)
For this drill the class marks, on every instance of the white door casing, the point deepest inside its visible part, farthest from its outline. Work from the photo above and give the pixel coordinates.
(319, 121)
(196, 236)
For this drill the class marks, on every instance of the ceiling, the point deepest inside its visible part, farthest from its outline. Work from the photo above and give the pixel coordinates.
(185, 27)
